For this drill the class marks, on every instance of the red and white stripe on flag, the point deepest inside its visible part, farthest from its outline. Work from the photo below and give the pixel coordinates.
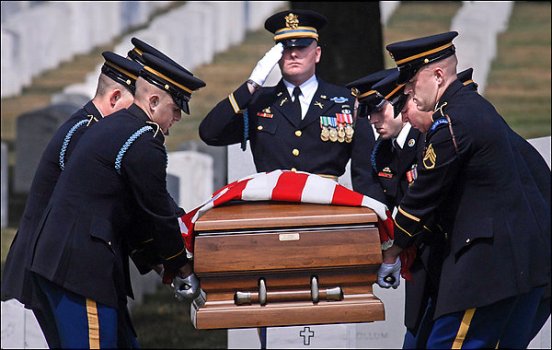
(288, 186)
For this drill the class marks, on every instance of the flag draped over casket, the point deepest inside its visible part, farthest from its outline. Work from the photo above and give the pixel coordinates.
(288, 186)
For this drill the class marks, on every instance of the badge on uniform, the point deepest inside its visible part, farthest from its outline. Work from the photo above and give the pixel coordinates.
(328, 126)
(339, 99)
(429, 158)
(386, 172)
(412, 174)
(411, 143)
(344, 127)
(266, 113)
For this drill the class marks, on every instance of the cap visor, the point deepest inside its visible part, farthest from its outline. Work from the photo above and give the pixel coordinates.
(399, 105)
(185, 107)
(301, 42)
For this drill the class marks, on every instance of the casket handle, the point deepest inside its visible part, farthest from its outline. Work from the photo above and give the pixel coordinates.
(262, 291)
(264, 296)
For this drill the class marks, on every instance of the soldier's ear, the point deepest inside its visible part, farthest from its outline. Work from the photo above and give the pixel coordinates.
(115, 97)
(154, 101)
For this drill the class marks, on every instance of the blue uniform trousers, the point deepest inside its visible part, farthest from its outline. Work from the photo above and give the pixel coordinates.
(419, 339)
(84, 324)
(507, 323)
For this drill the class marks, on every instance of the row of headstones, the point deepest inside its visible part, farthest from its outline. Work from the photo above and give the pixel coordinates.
(40, 36)
(191, 35)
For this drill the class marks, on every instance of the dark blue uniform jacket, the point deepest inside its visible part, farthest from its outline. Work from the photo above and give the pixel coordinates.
(472, 178)
(118, 169)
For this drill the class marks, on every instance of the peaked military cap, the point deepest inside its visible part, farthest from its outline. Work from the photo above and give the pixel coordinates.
(141, 47)
(369, 99)
(174, 79)
(466, 78)
(411, 55)
(123, 71)
(295, 27)
(392, 91)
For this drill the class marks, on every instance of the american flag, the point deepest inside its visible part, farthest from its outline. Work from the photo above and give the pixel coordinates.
(288, 186)
(300, 187)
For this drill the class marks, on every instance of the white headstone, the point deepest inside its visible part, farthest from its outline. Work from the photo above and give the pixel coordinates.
(20, 329)
(195, 171)
(542, 339)
(4, 185)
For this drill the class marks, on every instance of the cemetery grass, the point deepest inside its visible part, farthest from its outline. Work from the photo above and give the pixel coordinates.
(519, 79)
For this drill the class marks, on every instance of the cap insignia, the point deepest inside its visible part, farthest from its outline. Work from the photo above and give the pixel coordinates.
(292, 21)
(355, 92)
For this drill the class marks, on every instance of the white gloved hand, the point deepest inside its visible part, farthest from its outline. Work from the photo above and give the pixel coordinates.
(389, 275)
(265, 64)
(186, 288)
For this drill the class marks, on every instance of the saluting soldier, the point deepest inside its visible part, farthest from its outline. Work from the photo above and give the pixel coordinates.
(471, 177)
(80, 253)
(303, 123)
(114, 91)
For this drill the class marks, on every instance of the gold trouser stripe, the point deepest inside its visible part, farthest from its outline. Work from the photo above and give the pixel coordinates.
(234, 103)
(93, 324)
(463, 331)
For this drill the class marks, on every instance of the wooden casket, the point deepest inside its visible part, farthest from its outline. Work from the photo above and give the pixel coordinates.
(282, 264)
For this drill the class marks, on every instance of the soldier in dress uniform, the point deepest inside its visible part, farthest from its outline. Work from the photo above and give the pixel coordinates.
(470, 179)
(303, 123)
(142, 251)
(393, 163)
(114, 91)
(539, 175)
(80, 254)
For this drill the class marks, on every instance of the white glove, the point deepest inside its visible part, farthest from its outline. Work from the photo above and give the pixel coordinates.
(265, 64)
(389, 275)
(186, 288)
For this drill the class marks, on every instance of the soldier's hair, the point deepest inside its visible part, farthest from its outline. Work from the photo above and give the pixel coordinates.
(106, 84)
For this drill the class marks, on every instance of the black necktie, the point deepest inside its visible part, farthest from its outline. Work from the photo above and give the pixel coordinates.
(296, 103)
(396, 146)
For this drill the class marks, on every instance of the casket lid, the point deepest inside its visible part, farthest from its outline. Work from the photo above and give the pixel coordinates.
(255, 215)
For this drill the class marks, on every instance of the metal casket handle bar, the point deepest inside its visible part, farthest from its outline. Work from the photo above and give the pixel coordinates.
(263, 296)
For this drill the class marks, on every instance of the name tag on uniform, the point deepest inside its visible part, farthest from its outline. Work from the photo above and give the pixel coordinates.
(264, 115)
